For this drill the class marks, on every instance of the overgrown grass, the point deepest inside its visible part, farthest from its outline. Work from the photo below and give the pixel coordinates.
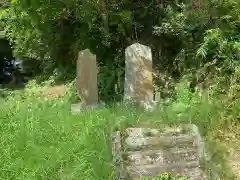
(41, 139)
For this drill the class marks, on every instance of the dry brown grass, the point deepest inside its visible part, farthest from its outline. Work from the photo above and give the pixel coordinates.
(229, 138)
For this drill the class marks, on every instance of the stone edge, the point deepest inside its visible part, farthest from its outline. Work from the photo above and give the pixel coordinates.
(202, 151)
(120, 172)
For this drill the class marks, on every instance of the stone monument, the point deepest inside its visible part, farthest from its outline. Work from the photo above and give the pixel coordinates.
(138, 87)
(86, 81)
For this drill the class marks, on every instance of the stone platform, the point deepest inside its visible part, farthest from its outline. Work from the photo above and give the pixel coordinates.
(145, 152)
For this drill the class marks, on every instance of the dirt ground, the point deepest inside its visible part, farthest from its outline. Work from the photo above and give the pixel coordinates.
(54, 91)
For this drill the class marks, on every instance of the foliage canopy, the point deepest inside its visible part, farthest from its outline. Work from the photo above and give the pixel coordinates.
(182, 34)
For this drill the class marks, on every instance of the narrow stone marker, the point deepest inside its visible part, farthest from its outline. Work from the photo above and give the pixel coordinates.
(86, 81)
(149, 152)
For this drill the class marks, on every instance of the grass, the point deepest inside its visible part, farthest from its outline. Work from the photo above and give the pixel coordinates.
(41, 139)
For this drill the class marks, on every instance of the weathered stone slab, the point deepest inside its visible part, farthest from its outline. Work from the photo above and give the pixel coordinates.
(86, 82)
(177, 150)
(161, 141)
(162, 156)
(138, 86)
(143, 132)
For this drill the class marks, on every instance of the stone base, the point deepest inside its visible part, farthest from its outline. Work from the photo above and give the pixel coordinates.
(146, 106)
(147, 152)
(77, 108)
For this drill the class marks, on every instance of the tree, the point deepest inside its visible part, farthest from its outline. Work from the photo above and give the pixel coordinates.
(181, 38)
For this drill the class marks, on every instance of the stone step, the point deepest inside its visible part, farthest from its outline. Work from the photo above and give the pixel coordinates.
(143, 132)
(161, 156)
(182, 168)
(137, 143)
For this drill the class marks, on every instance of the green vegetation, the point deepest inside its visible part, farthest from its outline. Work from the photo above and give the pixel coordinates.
(183, 38)
(195, 47)
(40, 138)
